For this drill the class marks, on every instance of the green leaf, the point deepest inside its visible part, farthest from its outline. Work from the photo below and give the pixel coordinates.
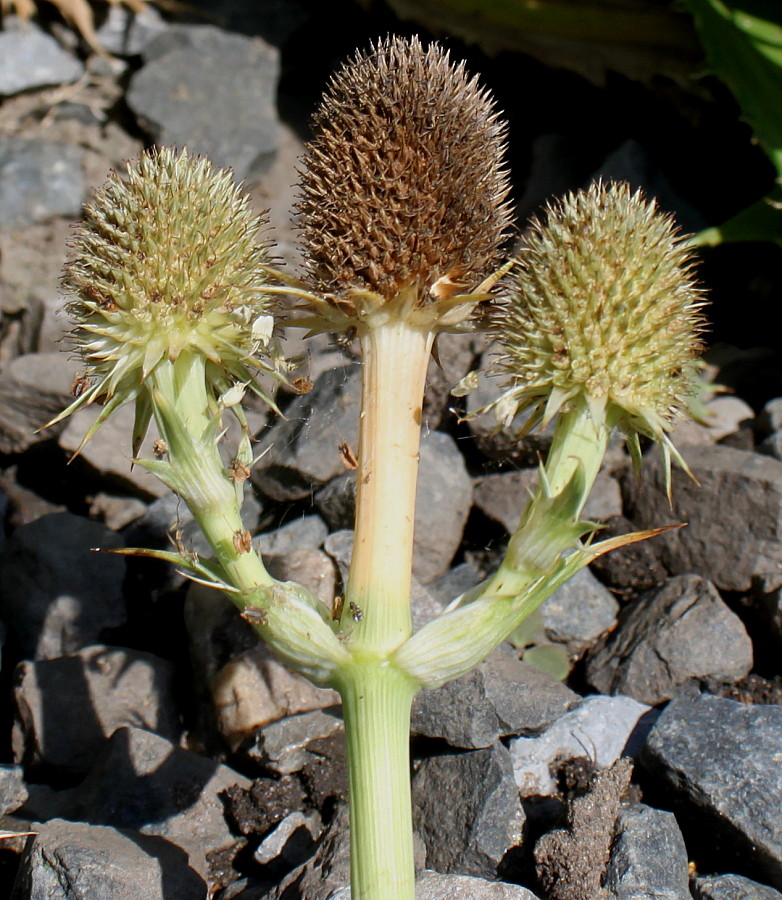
(743, 43)
(551, 658)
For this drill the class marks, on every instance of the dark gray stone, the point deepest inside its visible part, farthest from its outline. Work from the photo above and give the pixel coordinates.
(38, 180)
(500, 697)
(67, 708)
(454, 356)
(770, 418)
(716, 754)
(681, 631)
(470, 799)
(56, 594)
(282, 746)
(600, 729)
(503, 497)
(301, 453)
(213, 92)
(291, 841)
(13, 791)
(143, 782)
(108, 452)
(443, 501)
(648, 857)
(443, 498)
(30, 58)
(731, 887)
(708, 546)
(127, 33)
(35, 387)
(579, 612)
(304, 532)
(65, 860)
(503, 445)
(326, 876)
(437, 886)
(454, 583)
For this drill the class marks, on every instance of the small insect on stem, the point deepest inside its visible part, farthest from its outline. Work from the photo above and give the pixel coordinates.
(254, 616)
(348, 457)
(243, 541)
(238, 471)
(355, 611)
(159, 448)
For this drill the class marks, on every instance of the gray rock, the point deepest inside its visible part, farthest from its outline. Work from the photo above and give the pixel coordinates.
(13, 791)
(772, 445)
(30, 58)
(648, 857)
(500, 697)
(602, 729)
(73, 859)
(301, 453)
(35, 387)
(579, 612)
(254, 689)
(454, 583)
(312, 568)
(715, 754)
(108, 452)
(304, 532)
(443, 499)
(770, 418)
(56, 594)
(38, 180)
(437, 886)
(213, 92)
(455, 356)
(681, 631)
(67, 708)
(708, 545)
(472, 799)
(336, 502)
(125, 32)
(282, 746)
(503, 497)
(571, 861)
(326, 876)
(725, 415)
(731, 887)
(292, 840)
(503, 445)
(145, 783)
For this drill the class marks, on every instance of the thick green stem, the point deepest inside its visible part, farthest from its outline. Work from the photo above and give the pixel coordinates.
(377, 607)
(376, 702)
(546, 527)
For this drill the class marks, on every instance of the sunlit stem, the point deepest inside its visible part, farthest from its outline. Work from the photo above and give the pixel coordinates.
(377, 608)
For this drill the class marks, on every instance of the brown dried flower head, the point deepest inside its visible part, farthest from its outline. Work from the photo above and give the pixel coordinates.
(404, 189)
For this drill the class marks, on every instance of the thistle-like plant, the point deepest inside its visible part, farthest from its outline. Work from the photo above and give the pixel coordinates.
(403, 216)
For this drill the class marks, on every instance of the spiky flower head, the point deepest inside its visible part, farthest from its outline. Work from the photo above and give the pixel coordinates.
(403, 190)
(168, 260)
(604, 308)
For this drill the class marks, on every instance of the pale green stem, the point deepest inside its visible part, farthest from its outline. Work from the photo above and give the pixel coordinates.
(395, 356)
(210, 494)
(376, 701)
(545, 529)
(376, 697)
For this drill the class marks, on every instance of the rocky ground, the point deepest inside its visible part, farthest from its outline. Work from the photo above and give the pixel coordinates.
(627, 746)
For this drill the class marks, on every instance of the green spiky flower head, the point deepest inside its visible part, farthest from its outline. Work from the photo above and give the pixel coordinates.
(604, 308)
(169, 260)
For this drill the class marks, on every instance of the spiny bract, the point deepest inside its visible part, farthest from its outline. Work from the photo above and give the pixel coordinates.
(404, 183)
(604, 307)
(170, 259)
